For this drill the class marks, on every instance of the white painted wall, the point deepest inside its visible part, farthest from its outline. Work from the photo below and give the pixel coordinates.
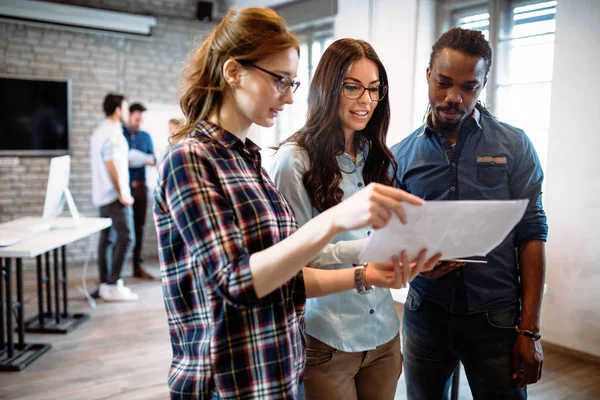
(402, 33)
(571, 308)
(426, 37)
(352, 20)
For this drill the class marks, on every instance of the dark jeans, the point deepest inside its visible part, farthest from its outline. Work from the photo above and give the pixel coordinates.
(434, 341)
(115, 242)
(140, 195)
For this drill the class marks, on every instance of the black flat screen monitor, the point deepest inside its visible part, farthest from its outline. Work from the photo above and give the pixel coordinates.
(35, 116)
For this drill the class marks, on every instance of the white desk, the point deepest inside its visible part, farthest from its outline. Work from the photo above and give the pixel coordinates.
(15, 357)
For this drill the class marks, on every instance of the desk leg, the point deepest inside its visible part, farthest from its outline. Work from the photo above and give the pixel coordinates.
(17, 358)
(55, 321)
(64, 281)
(20, 317)
(9, 308)
(40, 290)
(2, 341)
(56, 288)
(48, 289)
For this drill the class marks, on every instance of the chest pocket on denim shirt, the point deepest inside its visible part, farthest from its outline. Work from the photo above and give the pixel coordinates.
(491, 171)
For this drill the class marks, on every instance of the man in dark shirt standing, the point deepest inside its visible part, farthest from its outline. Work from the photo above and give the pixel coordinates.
(142, 142)
(485, 316)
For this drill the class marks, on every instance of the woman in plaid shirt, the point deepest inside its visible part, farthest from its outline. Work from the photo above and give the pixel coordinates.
(231, 255)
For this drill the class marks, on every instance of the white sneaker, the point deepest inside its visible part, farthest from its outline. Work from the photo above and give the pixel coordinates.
(121, 285)
(104, 290)
(116, 293)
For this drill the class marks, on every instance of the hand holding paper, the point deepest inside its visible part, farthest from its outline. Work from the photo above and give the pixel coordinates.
(400, 271)
(454, 228)
(139, 159)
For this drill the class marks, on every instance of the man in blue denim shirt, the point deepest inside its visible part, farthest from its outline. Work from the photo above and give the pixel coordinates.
(139, 140)
(468, 313)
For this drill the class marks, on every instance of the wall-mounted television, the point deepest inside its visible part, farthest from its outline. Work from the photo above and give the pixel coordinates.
(35, 116)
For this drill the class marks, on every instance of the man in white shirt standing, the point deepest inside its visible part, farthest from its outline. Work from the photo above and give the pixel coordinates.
(111, 193)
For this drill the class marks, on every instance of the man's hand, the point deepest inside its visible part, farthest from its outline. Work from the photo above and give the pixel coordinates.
(528, 358)
(441, 269)
(126, 200)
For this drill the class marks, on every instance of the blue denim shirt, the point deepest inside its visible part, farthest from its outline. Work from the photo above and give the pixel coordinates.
(491, 161)
(347, 321)
(141, 141)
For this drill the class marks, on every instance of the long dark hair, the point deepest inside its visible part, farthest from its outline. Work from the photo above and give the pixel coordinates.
(323, 137)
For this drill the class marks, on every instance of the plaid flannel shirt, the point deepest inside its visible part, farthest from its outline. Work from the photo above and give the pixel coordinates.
(214, 207)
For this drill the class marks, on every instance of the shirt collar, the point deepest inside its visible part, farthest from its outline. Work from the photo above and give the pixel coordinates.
(362, 149)
(427, 126)
(208, 130)
(128, 131)
(112, 123)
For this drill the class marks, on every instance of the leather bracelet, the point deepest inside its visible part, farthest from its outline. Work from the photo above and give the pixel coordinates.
(529, 334)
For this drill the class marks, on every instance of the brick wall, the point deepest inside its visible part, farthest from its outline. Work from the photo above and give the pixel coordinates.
(145, 70)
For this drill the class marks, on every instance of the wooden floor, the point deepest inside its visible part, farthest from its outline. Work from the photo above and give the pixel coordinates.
(123, 352)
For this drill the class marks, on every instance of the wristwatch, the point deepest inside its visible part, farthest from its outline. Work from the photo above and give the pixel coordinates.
(359, 280)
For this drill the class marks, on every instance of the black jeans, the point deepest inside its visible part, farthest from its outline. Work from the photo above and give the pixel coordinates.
(434, 341)
(140, 195)
(115, 242)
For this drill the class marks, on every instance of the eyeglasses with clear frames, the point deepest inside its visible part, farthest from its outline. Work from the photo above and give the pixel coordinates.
(283, 82)
(353, 91)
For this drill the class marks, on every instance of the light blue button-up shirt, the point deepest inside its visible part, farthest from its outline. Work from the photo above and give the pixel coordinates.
(347, 321)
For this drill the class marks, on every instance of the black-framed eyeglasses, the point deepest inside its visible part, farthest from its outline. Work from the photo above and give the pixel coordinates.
(283, 82)
(353, 91)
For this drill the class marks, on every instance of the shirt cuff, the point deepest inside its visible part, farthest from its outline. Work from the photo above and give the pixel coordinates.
(340, 254)
(236, 285)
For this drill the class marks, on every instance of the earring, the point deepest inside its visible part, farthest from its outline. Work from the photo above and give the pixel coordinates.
(234, 85)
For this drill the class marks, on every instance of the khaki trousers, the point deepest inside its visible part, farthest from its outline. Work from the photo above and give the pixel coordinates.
(332, 374)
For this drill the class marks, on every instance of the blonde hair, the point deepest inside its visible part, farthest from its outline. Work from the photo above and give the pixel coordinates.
(246, 34)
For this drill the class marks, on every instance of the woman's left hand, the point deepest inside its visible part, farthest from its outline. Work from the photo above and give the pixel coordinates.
(400, 271)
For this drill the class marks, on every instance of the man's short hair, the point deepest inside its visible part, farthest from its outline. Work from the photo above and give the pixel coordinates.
(137, 107)
(112, 101)
(466, 41)
(175, 121)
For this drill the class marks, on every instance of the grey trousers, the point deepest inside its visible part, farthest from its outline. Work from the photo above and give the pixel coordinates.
(115, 242)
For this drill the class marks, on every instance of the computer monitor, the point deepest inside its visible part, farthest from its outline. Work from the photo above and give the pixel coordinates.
(57, 191)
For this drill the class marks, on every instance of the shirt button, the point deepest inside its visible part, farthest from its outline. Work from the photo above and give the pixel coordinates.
(453, 165)
(368, 233)
(452, 189)
(360, 184)
(458, 274)
(372, 311)
(443, 140)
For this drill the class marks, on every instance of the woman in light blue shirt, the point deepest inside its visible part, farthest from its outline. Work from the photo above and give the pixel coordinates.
(353, 348)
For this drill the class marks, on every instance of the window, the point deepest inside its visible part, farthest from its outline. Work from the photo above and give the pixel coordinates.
(313, 43)
(524, 75)
(520, 90)
(477, 19)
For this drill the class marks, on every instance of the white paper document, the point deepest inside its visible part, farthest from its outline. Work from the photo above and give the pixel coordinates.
(139, 158)
(457, 229)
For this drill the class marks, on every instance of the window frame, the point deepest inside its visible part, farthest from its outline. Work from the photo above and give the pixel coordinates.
(320, 33)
